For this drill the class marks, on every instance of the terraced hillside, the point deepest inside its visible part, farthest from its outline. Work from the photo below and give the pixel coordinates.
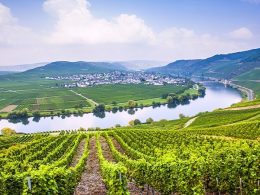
(216, 152)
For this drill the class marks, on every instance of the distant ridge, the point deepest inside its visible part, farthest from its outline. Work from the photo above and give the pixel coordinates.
(65, 68)
(219, 66)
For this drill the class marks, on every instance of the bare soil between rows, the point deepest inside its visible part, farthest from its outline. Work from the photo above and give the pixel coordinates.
(79, 153)
(131, 186)
(91, 180)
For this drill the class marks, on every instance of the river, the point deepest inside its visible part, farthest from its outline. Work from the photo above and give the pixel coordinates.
(217, 96)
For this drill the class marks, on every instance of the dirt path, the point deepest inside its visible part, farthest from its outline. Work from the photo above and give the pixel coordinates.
(92, 102)
(244, 108)
(131, 186)
(106, 150)
(91, 181)
(190, 122)
(79, 153)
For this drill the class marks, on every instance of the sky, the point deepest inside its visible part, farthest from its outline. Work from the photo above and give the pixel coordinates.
(33, 31)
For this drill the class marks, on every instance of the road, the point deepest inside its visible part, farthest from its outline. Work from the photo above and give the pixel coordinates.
(190, 122)
(249, 92)
(89, 100)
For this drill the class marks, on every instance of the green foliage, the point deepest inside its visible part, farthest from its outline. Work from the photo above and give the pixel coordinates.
(56, 178)
(165, 159)
(132, 104)
(7, 131)
(218, 153)
(223, 117)
(134, 122)
(99, 108)
(149, 120)
(114, 175)
(18, 114)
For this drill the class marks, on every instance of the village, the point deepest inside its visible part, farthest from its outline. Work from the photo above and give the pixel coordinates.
(117, 77)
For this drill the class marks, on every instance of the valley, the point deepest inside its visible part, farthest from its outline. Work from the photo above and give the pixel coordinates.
(129, 97)
(146, 158)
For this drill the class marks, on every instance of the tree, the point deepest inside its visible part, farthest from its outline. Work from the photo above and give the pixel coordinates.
(81, 129)
(165, 95)
(7, 131)
(202, 91)
(181, 116)
(132, 103)
(194, 96)
(169, 100)
(135, 122)
(36, 114)
(114, 109)
(99, 108)
(149, 120)
(114, 103)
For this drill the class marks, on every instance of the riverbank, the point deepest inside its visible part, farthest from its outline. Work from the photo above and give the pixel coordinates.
(211, 101)
(249, 92)
(246, 93)
(186, 95)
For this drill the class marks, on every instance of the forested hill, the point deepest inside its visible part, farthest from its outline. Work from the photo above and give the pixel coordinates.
(65, 67)
(225, 66)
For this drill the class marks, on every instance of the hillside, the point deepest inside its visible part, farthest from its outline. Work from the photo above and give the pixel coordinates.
(178, 67)
(218, 153)
(66, 68)
(224, 66)
(253, 75)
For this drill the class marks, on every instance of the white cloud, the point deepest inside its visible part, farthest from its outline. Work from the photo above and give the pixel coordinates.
(78, 35)
(76, 24)
(11, 33)
(241, 33)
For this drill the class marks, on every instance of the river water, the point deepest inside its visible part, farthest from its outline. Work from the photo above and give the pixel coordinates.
(217, 96)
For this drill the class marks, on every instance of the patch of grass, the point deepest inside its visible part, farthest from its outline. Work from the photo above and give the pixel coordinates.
(247, 103)
(223, 117)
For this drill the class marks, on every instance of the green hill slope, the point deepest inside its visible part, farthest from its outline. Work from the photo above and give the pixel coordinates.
(67, 68)
(253, 74)
(224, 66)
(181, 67)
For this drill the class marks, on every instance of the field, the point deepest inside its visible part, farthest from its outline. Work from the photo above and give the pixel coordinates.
(123, 93)
(42, 99)
(47, 97)
(218, 153)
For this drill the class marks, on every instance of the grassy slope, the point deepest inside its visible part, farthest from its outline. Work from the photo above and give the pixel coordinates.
(250, 80)
(246, 103)
(250, 75)
(224, 117)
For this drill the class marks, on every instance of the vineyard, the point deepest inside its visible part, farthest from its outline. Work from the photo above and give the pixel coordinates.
(157, 158)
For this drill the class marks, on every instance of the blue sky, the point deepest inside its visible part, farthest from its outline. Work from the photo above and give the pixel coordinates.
(99, 30)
